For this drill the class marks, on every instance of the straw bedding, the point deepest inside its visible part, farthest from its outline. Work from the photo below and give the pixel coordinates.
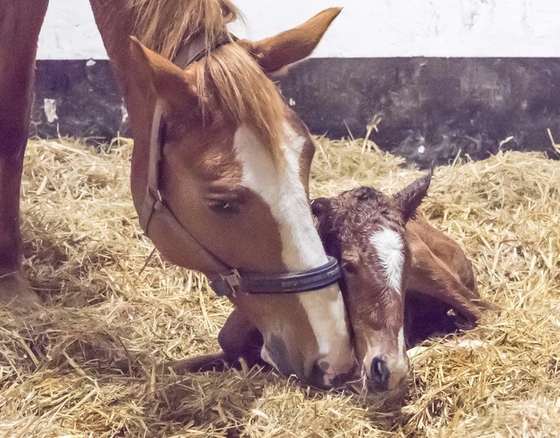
(86, 364)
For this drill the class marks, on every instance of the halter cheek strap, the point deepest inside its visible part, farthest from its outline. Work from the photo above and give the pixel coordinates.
(157, 220)
(160, 224)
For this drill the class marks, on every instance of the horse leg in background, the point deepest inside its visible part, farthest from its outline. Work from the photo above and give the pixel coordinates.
(20, 23)
(431, 276)
(238, 338)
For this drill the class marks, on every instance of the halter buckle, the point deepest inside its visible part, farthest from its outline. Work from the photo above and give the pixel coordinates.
(226, 284)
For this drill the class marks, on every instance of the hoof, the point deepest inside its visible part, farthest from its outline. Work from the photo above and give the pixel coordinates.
(197, 364)
(16, 293)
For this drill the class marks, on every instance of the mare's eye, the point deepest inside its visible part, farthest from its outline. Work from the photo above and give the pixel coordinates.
(224, 206)
(225, 200)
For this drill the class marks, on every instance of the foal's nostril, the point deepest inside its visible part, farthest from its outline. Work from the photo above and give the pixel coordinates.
(380, 374)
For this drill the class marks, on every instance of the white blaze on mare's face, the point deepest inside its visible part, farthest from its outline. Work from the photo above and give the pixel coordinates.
(390, 249)
(280, 186)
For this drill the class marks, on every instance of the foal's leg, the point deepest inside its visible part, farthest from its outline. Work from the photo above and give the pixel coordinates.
(241, 339)
(430, 276)
(20, 22)
(445, 250)
(238, 338)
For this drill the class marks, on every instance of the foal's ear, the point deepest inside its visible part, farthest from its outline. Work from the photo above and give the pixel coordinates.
(320, 207)
(168, 81)
(292, 45)
(410, 198)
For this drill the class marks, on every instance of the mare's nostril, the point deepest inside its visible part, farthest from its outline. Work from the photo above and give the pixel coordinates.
(380, 374)
(317, 376)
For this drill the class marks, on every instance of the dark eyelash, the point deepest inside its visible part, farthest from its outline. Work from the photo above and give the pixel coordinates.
(224, 206)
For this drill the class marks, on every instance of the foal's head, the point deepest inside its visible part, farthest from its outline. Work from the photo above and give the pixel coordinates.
(234, 172)
(365, 230)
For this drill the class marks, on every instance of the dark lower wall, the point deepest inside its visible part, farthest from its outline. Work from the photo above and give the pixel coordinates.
(428, 109)
(86, 98)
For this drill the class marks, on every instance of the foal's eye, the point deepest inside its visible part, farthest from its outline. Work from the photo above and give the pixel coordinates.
(349, 267)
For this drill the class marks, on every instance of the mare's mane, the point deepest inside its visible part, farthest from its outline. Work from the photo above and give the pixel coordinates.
(229, 73)
(165, 25)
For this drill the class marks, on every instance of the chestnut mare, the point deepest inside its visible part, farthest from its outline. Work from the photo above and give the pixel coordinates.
(220, 165)
(401, 278)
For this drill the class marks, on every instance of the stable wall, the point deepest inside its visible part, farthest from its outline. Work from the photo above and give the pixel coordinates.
(439, 75)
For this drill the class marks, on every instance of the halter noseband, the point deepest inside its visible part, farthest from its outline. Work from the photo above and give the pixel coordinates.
(224, 280)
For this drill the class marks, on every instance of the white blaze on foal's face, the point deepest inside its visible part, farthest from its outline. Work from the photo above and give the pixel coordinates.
(278, 183)
(389, 246)
(385, 357)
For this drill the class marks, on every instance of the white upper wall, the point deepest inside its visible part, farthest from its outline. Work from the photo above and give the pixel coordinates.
(365, 28)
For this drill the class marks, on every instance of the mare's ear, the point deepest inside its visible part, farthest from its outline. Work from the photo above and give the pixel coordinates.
(410, 198)
(168, 81)
(292, 45)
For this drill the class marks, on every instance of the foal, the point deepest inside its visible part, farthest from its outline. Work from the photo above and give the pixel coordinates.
(442, 295)
(403, 281)
(365, 230)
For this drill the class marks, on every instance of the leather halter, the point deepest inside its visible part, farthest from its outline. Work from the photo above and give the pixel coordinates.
(224, 280)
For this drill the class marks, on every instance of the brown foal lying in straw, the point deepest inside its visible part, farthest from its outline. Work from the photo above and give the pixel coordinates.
(403, 281)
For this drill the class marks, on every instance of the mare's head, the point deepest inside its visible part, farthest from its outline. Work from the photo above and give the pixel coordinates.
(234, 172)
(365, 230)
